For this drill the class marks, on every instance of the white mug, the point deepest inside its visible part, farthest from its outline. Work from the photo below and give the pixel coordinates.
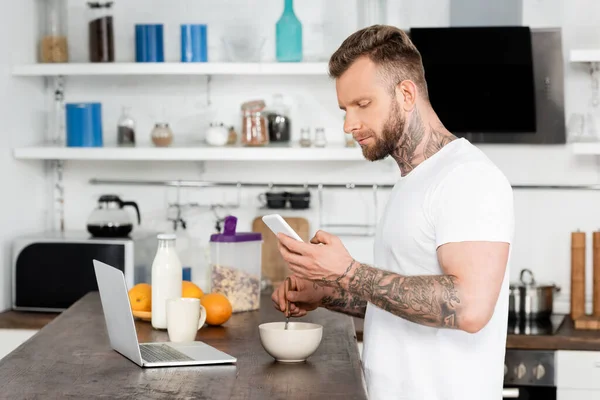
(185, 316)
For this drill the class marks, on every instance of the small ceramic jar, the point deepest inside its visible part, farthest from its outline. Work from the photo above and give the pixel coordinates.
(217, 135)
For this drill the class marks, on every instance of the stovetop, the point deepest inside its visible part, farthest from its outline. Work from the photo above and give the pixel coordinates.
(546, 326)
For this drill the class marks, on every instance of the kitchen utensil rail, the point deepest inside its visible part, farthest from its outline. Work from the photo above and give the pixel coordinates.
(201, 184)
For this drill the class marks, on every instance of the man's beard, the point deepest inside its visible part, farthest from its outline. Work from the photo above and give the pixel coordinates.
(390, 136)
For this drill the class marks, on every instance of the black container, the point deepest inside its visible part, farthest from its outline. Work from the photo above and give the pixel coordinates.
(279, 127)
(101, 32)
(299, 200)
(279, 124)
(276, 200)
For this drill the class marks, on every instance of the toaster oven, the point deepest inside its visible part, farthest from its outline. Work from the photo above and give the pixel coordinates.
(51, 271)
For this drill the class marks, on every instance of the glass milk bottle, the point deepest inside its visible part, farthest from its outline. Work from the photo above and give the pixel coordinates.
(166, 279)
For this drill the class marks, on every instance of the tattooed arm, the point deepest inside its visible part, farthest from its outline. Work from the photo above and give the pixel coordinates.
(427, 300)
(464, 298)
(341, 301)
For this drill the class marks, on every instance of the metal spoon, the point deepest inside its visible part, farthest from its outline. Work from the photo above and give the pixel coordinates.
(289, 285)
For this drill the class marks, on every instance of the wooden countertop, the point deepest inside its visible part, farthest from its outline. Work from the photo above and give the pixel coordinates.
(25, 320)
(566, 338)
(71, 358)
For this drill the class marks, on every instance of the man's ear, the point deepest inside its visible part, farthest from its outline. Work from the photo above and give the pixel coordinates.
(406, 95)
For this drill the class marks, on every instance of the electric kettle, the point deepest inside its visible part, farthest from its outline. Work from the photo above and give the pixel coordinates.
(110, 219)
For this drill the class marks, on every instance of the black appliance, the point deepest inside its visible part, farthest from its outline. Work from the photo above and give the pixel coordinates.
(495, 84)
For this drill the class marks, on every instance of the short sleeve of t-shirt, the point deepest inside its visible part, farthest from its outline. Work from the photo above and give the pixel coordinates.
(474, 202)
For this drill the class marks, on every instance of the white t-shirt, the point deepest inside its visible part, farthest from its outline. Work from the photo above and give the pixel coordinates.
(456, 195)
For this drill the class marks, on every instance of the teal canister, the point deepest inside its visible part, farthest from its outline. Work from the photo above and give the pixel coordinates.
(288, 35)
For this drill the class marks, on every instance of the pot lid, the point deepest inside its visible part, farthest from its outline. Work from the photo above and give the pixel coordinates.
(527, 280)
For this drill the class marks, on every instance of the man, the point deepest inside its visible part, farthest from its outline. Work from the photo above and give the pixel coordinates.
(436, 301)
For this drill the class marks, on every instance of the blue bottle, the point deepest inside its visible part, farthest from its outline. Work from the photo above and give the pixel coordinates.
(288, 35)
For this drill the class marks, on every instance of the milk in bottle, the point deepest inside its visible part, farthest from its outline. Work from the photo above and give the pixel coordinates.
(166, 279)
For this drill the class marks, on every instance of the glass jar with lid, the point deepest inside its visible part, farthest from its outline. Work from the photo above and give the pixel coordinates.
(101, 32)
(254, 124)
(320, 138)
(278, 120)
(126, 128)
(305, 140)
(162, 136)
(53, 41)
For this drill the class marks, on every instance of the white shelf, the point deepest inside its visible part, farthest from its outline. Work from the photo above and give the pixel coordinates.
(583, 148)
(102, 69)
(197, 153)
(585, 55)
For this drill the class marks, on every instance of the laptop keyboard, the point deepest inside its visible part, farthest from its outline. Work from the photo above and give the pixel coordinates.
(161, 353)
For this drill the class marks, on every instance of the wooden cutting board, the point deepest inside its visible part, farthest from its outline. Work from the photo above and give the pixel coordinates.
(274, 266)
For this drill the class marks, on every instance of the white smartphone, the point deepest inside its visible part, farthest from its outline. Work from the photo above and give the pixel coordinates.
(277, 224)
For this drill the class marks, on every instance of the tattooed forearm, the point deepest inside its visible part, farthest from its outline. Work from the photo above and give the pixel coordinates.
(427, 300)
(342, 301)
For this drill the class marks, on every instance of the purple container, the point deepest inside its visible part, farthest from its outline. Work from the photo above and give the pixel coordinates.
(236, 266)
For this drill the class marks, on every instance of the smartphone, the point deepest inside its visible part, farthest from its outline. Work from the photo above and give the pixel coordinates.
(277, 224)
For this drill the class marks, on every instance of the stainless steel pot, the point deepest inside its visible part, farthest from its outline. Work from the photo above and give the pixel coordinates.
(529, 300)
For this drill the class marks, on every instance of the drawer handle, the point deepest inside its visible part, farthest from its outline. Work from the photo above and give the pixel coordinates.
(511, 393)
(597, 364)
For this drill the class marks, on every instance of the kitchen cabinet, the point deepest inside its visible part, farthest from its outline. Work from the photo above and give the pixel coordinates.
(578, 375)
(568, 394)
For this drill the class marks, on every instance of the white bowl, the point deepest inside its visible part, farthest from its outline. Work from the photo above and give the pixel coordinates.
(293, 345)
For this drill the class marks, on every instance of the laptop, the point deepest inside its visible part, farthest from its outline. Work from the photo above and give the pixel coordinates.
(123, 336)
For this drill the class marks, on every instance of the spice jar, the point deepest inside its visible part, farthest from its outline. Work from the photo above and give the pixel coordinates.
(162, 136)
(320, 139)
(126, 128)
(100, 30)
(254, 124)
(305, 140)
(232, 136)
(53, 42)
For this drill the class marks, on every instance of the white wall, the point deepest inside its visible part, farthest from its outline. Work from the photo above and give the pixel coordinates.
(21, 113)
(544, 218)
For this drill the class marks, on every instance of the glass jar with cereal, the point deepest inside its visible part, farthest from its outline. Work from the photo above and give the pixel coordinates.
(236, 262)
(53, 40)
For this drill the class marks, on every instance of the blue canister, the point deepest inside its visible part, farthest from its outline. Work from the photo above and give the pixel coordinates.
(149, 43)
(186, 274)
(193, 43)
(84, 124)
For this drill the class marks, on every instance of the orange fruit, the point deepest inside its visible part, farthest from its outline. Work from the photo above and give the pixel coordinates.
(188, 289)
(140, 297)
(218, 308)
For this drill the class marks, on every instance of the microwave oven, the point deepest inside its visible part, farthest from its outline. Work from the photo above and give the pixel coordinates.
(51, 271)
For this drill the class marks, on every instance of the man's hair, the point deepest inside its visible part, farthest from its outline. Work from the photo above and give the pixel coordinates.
(386, 46)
